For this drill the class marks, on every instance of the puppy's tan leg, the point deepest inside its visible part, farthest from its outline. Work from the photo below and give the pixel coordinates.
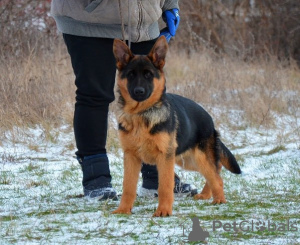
(206, 192)
(166, 187)
(214, 182)
(132, 168)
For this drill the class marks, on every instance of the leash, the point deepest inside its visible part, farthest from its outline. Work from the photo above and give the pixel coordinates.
(122, 23)
(129, 25)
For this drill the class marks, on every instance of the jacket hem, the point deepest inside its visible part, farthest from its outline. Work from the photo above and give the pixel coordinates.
(70, 26)
(170, 5)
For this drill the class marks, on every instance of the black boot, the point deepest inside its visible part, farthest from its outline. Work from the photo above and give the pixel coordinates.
(150, 184)
(96, 177)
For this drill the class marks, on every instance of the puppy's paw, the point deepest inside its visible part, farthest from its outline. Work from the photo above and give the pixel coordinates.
(162, 212)
(122, 211)
(218, 201)
(202, 196)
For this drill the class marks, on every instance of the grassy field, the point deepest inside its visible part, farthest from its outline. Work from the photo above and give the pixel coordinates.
(255, 106)
(41, 203)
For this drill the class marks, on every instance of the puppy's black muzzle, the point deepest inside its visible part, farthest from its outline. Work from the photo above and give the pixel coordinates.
(139, 91)
(139, 94)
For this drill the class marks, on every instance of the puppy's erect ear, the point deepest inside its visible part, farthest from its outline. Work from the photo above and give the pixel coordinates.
(122, 54)
(158, 53)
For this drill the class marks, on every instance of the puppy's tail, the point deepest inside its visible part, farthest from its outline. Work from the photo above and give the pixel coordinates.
(228, 160)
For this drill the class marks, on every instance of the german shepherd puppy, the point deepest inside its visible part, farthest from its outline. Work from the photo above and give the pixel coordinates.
(163, 129)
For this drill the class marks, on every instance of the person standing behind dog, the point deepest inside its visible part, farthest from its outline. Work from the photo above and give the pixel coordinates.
(89, 28)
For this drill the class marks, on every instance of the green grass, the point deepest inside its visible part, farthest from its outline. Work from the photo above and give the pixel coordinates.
(6, 177)
(58, 210)
(41, 200)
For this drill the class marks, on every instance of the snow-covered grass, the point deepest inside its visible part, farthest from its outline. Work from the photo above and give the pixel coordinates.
(41, 201)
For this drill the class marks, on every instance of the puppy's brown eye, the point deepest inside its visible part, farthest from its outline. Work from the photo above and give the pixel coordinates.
(148, 74)
(130, 74)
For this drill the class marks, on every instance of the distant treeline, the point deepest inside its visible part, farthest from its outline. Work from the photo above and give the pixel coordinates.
(245, 28)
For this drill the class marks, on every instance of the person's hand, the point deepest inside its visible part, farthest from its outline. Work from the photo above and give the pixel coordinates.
(172, 18)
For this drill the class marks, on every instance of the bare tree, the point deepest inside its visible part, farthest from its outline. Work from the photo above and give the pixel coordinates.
(22, 22)
(246, 28)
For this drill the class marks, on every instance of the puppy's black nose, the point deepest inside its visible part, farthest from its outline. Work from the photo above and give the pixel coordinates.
(139, 91)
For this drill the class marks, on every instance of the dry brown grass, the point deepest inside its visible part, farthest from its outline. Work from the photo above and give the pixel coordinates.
(258, 89)
(38, 87)
(37, 82)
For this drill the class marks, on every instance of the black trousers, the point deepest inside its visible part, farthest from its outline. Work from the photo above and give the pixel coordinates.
(94, 67)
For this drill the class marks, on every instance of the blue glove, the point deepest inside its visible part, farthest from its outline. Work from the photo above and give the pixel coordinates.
(172, 18)
(165, 32)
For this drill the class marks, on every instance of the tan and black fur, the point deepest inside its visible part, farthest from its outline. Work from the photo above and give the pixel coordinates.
(163, 129)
